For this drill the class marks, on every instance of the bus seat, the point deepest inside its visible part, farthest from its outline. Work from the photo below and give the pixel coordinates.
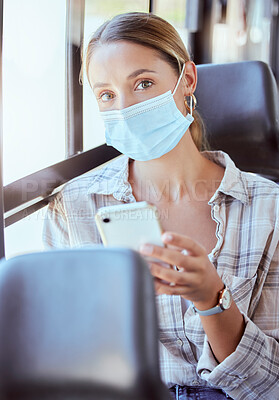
(239, 105)
(78, 324)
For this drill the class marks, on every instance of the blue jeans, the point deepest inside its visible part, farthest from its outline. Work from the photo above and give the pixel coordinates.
(196, 393)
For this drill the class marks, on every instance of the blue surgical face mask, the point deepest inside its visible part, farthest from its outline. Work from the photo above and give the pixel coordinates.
(147, 130)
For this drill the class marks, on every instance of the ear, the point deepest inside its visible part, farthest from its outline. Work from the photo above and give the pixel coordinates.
(189, 78)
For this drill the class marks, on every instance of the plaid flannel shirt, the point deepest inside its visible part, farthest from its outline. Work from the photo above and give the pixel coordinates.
(245, 208)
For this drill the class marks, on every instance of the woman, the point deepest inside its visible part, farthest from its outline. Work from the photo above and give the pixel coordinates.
(219, 321)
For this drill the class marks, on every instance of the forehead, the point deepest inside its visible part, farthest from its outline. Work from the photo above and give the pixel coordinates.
(122, 58)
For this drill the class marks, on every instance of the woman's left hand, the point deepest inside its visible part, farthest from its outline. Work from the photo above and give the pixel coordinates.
(197, 279)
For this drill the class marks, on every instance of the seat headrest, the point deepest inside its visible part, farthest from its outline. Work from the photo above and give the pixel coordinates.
(239, 106)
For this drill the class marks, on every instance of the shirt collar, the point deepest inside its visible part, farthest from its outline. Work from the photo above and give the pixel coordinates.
(112, 179)
(233, 183)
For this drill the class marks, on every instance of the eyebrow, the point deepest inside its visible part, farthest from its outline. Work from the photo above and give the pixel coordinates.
(139, 72)
(99, 85)
(132, 75)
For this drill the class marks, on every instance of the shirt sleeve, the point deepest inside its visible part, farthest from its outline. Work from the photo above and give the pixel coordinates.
(252, 370)
(55, 230)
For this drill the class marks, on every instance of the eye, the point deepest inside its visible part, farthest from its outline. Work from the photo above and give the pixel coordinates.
(144, 84)
(105, 97)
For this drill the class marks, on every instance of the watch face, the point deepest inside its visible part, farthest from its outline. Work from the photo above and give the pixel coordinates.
(226, 299)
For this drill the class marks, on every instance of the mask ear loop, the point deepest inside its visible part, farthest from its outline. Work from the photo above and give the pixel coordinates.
(179, 79)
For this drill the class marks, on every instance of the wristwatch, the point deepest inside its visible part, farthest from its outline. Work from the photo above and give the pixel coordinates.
(225, 301)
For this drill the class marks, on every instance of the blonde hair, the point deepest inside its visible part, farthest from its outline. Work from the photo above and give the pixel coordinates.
(151, 31)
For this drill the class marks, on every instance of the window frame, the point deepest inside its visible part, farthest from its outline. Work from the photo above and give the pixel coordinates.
(75, 13)
(274, 37)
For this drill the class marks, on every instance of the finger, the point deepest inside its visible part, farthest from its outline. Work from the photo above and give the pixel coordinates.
(157, 262)
(183, 242)
(170, 275)
(164, 288)
(169, 256)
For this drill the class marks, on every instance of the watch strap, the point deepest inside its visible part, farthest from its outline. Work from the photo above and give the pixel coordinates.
(211, 311)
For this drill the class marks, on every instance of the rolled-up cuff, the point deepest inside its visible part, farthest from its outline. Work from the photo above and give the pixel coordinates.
(241, 370)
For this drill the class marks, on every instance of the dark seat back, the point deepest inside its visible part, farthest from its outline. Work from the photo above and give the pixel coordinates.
(78, 324)
(239, 105)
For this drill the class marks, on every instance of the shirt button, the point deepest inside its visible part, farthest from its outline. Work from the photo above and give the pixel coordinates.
(179, 342)
(216, 208)
(195, 383)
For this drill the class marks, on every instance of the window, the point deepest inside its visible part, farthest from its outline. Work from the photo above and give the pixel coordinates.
(175, 13)
(33, 102)
(242, 31)
(25, 235)
(33, 86)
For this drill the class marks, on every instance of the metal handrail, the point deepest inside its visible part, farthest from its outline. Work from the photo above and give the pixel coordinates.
(37, 189)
